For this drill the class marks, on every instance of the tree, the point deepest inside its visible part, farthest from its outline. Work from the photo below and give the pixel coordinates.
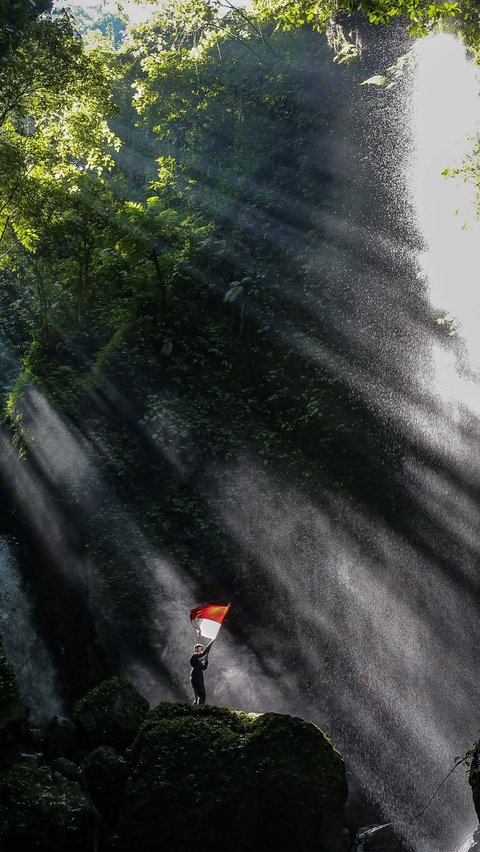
(422, 15)
(54, 99)
(15, 16)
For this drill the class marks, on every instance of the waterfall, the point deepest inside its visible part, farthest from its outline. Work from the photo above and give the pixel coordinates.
(445, 120)
(384, 607)
(378, 604)
(27, 651)
(466, 845)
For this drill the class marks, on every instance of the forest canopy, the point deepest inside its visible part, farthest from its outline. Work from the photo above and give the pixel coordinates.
(130, 162)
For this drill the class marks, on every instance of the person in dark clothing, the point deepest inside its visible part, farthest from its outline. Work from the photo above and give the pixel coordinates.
(199, 662)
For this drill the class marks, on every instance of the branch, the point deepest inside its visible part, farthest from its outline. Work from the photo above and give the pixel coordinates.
(256, 29)
(243, 41)
(15, 190)
(13, 104)
(7, 222)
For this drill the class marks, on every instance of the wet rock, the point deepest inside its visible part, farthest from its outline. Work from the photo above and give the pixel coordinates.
(61, 738)
(212, 778)
(35, 758)
(43, 811)
(111, 714)
(105, 774)
(35, 736)
(67, 768)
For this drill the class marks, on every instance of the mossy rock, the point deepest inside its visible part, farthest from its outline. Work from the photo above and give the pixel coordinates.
(212, 778)
(105, 774)
(39, 810)
(12, 708)
(67, 768)
(111, 714)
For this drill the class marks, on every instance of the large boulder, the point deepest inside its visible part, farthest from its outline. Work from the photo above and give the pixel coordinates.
(12, 708)
(111, 714)
(67, 768)
(105, 775)
(41, 810)
(212, 778)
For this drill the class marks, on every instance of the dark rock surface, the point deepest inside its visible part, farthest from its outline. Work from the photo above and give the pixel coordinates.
(111, 714)
(105, 774)
(67, 768)
(193, 778)
(61, 738)
(213, 778)
(41, 810)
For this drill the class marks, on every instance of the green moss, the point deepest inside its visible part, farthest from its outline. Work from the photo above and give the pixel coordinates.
(111, 714)
(67, 768)
(11, 705)
(41, 811)
(235, 720)
(232, 781)
(105, 774)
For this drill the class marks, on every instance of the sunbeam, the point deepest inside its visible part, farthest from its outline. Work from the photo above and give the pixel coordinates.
(241, 362)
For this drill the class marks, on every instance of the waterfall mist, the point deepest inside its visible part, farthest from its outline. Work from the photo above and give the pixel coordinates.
(25, 646)
(354, 605)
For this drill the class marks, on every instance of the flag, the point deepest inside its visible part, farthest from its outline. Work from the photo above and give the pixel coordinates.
(207, 619)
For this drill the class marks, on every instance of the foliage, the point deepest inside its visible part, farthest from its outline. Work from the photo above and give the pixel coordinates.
(171, 319)
(53, 105)
(15, 16)
(422, 15)
(173, 297)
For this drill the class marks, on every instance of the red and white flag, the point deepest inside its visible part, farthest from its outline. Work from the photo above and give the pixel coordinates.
(207, 619)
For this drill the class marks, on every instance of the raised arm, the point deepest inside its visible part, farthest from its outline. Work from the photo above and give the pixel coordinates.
(206, 650)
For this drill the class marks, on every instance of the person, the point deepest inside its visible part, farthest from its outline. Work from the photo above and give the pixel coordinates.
(199, 662)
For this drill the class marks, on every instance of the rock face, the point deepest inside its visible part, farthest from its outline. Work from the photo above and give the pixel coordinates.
(212, 778)
(61, 738)
(44, 811)
(205, 778)
(12, 708)
(111, 714)
(105, 775)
